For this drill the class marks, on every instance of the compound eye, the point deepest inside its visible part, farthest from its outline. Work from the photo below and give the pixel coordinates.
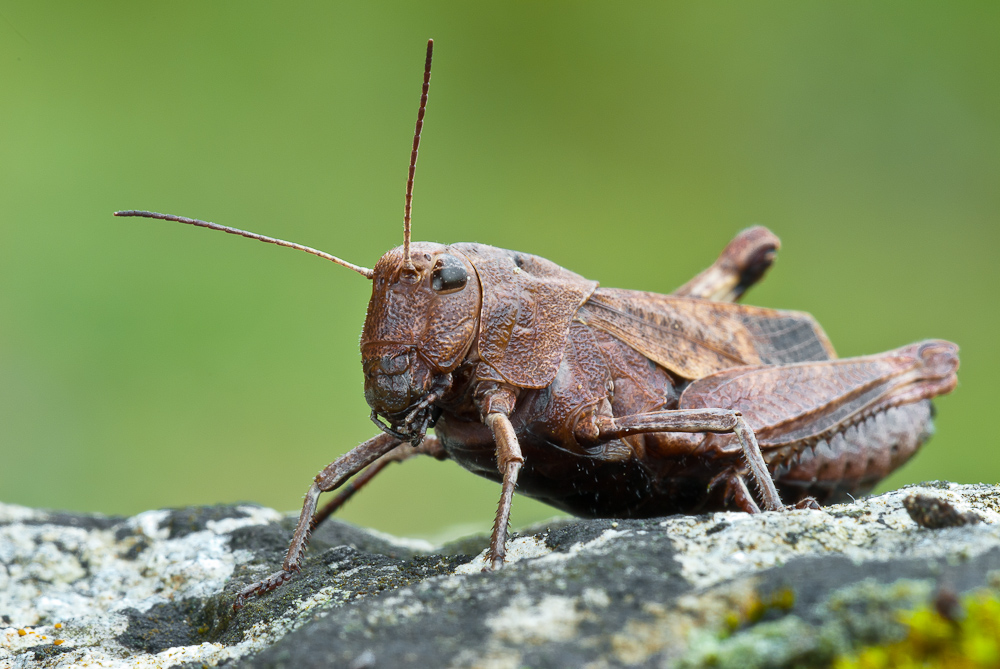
(449, 274)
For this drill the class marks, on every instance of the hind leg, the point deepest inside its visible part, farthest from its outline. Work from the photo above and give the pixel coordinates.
(808, 416)
(741, 264)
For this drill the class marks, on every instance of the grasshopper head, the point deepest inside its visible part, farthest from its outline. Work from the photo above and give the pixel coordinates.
(421, 323)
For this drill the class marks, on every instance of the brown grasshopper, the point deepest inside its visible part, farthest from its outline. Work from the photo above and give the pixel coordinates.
(614, 403)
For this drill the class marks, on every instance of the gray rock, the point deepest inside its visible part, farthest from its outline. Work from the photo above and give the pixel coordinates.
(723, 589)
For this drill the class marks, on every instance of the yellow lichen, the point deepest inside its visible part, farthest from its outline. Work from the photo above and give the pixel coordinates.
(754, 609)
(971, 641)
(783, 599)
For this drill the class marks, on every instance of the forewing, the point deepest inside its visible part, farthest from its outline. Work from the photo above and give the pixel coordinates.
(782, 337)
(694, 338)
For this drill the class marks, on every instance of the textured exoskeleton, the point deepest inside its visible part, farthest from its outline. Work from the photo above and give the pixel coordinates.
(618, 403)
(615, 403)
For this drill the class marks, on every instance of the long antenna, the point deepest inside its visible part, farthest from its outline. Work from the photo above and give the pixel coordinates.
(408, 264)
(363, 271)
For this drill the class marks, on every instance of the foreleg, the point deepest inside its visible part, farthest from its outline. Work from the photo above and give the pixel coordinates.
(429, 446)
(369, 459)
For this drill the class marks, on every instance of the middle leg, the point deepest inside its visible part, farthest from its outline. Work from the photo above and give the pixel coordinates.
(509, 461)
(700, 420)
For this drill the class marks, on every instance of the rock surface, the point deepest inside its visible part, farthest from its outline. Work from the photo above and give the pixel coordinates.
(722, 589)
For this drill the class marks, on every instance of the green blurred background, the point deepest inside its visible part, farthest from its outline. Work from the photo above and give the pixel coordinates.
(146, 364)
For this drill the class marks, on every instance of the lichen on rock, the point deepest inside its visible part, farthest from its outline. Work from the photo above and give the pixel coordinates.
(801, 588)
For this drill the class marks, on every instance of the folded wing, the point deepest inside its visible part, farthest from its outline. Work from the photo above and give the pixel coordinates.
(694, 338)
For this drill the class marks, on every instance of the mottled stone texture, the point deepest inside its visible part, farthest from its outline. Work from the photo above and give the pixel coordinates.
(725, 589)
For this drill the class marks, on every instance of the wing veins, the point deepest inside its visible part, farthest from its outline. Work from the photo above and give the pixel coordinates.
(676, 333)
